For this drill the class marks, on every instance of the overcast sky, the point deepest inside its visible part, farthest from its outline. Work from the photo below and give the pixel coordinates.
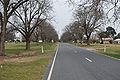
(63, 15)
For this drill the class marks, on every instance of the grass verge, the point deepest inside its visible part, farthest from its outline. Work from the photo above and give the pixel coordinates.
(112, 50)
(33, 70)
(26, 68)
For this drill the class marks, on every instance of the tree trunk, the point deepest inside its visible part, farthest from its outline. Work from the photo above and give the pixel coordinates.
(88, 40)
(2, 37)
(28, 43)
(2, 44)
(2, 40)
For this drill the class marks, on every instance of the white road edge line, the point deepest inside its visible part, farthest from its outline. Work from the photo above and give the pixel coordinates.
(88, 60)
(53, 63)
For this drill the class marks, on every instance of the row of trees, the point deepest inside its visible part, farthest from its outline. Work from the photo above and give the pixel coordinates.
(91, 15)
(45, 32)
(24, 16)
(73, 32)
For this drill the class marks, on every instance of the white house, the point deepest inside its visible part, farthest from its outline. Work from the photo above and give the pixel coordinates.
(117, 41)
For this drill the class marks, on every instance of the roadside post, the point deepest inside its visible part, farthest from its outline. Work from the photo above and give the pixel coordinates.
(106, 41)
(1, 66)
(104, 47)
(42, 49)
(104, 44)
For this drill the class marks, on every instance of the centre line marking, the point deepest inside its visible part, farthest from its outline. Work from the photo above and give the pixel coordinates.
(88, 60)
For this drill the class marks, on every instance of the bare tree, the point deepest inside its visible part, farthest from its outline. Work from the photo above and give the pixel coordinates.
(7, 9)
(39, 32)
(107, 5)
(10, 33)
(29, 16)
(110, 8)
(51, 33)
(66, 36)
(76, 31)
(45, 32)
(90, 18)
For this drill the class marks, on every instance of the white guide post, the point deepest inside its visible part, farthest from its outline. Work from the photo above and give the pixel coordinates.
(42, 49)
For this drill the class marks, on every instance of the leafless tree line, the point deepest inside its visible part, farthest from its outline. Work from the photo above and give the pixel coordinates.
(91, 15)
(72, 32)
(45, 32)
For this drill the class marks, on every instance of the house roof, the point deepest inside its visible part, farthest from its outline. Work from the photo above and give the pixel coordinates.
(117, 40)
(107, 39)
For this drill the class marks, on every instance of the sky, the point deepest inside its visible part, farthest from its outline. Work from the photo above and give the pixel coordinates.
(62, 15)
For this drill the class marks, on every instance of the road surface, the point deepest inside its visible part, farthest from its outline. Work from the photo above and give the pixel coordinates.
(72, 63)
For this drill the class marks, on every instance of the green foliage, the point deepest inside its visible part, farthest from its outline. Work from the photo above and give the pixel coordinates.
(111, 31)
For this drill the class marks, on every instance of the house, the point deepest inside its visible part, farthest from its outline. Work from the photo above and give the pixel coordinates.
(107, 40)
(116, 41)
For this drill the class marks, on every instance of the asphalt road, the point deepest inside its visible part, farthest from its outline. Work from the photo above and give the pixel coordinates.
(73, 63)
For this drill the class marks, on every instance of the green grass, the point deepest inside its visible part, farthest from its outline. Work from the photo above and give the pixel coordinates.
(24, 71)
(19, 48)
(113, 55)
(13, 48)
(112, 50)
(32, 68)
